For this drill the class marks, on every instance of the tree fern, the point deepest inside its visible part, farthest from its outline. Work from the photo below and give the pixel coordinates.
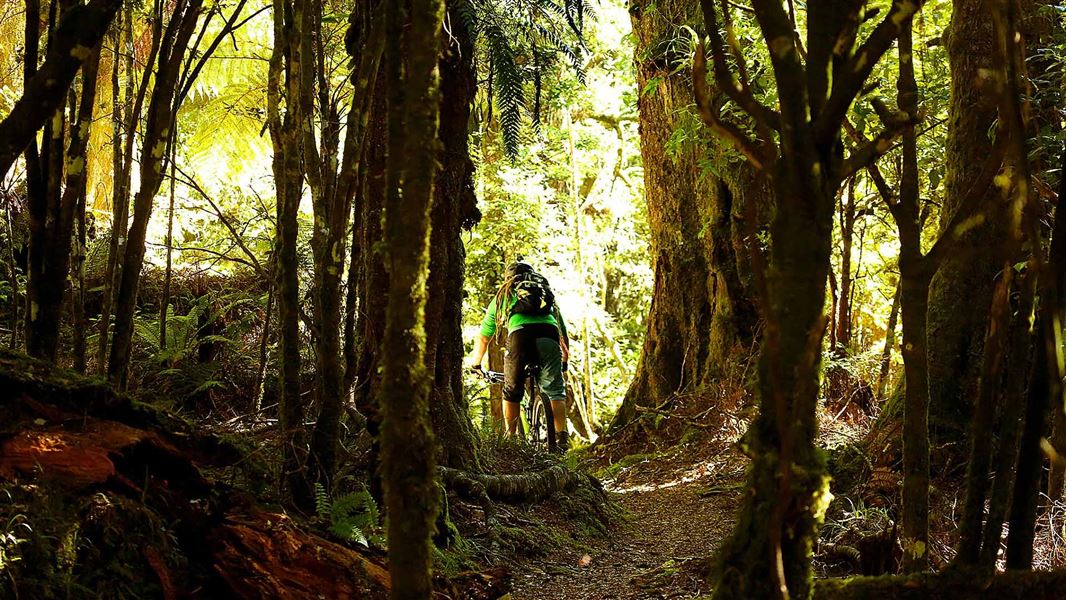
(522, 41)
(509, 82)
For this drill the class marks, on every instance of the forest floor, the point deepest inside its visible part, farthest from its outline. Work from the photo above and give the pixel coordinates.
(676, 516)
(677, 507)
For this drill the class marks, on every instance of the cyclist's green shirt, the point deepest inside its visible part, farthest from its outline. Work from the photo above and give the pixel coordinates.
(517, 321)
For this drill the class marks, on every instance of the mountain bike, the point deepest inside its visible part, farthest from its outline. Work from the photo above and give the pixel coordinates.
(538, 411)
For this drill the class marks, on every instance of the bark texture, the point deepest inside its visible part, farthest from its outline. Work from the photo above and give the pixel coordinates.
(333, 189)
(454, 210)
(523, 487)
(702, 314)
(961, 291)
(285, 130)
(408, 470)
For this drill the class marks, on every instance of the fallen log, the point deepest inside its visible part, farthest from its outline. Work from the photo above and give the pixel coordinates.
(263, 555)
(954, 584)
(523, 487)
(109, 490)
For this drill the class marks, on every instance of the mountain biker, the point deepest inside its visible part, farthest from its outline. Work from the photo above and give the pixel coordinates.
(536, 333)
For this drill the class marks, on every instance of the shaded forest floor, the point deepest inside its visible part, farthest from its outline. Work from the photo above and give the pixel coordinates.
(676, 510)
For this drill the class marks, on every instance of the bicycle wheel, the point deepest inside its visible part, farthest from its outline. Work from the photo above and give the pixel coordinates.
(538, 427)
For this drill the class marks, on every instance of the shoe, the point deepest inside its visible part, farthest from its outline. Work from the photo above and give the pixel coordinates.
(562, 441)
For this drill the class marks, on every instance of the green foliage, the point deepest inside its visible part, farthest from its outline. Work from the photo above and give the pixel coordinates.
(352, 517)
(14, 534)
(522, 43)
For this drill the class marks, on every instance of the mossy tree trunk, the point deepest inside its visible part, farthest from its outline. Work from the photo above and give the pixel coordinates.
(702, 314)
(454, 210)
(770, 550)
(334, 177)
(961, 291)
(363, 347)
(158, 134)
(284, 81)
(54, 207)
(408, 465)
(44, 172)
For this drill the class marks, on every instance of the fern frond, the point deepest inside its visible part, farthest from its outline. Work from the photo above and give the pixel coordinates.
(323, 506)
(509, 82)
(572, 54)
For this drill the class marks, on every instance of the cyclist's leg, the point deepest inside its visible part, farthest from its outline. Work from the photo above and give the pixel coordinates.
(551, 379)
(514, 379)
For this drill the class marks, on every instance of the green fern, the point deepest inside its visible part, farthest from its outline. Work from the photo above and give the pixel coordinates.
(352, 517)
(509, 84)
(523, 41)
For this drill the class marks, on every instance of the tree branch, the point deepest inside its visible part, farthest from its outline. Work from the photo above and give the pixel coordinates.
(738, 91)
(870, 150)
(711, 117)
(80, 30)
(849, 81)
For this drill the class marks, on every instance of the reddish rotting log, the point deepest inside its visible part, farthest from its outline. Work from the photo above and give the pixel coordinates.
(75, 459)
(263, 555)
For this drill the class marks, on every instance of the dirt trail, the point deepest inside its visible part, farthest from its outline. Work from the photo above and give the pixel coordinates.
(678, 514)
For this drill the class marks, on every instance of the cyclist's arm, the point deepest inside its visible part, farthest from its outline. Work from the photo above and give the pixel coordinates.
(481, 346)
(564, 339)
(558, 314)
(488, 329)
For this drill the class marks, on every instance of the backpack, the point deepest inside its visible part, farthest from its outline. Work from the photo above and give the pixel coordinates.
(533, 295)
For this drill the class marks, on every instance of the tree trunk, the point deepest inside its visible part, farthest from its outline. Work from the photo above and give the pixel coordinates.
(454, 210)
(915, 274)
(981, 441)
(890, 344)
(1045, 391)
(157, 136)
(333, 189)
(365, 373)
(80, 29)
(54, 211)
(408, 467)
(847, 237)
(702, 315)
(289, 24)
(164, 303)
(124, 117)
(961, 291)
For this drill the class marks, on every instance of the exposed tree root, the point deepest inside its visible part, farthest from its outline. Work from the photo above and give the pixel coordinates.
(524, 487)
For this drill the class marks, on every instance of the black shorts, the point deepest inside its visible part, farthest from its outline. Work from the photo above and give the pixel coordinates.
(537, 344)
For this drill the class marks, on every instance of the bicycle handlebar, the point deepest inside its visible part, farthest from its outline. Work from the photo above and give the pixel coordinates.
(489, 376)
